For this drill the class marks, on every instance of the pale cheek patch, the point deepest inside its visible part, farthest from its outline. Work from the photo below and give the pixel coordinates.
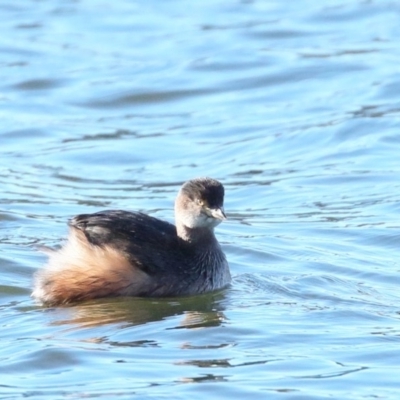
(81, 271)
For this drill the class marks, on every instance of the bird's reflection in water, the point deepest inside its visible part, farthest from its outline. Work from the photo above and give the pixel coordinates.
(197, 311)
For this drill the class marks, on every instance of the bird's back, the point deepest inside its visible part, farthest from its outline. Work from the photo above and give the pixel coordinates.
(147, 242)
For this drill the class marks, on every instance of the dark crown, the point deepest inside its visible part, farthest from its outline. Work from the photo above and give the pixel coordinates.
(207, 190)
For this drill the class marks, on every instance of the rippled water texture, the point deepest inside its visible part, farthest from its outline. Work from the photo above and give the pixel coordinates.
(294, 106)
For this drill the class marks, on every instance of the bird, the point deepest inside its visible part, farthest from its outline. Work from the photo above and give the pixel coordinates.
(116, 253)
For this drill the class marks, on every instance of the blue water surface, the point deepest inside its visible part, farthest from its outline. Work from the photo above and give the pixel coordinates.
(293, 106)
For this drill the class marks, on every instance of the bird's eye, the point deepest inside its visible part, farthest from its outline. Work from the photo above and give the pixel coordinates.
(199, 202)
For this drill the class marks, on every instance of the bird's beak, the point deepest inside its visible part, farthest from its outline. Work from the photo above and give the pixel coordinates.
(218, 213)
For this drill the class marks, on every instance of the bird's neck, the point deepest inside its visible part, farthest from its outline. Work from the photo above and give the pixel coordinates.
(194, 235)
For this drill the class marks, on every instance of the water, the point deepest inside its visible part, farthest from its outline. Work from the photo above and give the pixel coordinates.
(294, 106)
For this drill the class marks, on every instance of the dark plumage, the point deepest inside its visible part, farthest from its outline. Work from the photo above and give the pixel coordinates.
(121, 253)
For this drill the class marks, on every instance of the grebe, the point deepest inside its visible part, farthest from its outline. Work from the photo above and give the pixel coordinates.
(121, 253)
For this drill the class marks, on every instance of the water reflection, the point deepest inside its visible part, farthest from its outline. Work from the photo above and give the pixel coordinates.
(205, 378)
(197, 312)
